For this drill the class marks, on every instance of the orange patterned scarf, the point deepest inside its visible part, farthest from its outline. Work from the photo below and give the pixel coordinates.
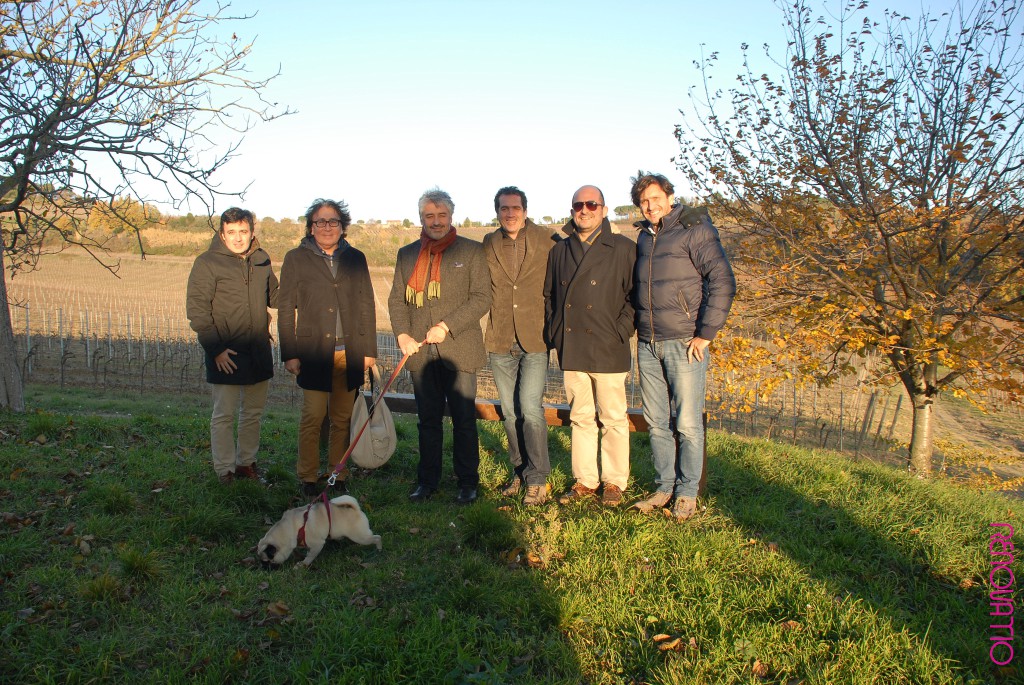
(414, 287)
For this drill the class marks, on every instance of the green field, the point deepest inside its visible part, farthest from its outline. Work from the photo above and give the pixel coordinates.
(122, 559)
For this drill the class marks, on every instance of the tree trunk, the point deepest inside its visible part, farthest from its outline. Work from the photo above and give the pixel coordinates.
(921, 435)
(12, 394)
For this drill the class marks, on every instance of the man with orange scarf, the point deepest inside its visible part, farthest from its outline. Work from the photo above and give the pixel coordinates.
(440, 292)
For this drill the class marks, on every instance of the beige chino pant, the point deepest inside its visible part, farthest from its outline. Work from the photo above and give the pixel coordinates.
(594, 396)
(247, 402)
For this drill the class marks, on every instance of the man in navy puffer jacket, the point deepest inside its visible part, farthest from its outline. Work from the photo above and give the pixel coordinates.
(683, 288)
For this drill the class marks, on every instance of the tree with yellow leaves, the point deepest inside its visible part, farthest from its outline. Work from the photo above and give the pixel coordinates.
(879, 179)
(108, 99)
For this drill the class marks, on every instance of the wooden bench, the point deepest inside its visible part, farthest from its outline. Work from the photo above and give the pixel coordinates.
(555, 414)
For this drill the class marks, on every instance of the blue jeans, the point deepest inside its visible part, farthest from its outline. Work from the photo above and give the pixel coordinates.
(519, 377)
(667, 379)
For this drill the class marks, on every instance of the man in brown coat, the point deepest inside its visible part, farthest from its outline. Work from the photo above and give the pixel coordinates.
(327, 323)
(517, 259)
(440, 292)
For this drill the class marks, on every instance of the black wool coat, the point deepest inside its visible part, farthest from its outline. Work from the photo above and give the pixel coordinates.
(588, 312)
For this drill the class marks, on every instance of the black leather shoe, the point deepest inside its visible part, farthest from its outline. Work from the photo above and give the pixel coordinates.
(421, 494)
(466, 496)
(340, 487)
(310, 489)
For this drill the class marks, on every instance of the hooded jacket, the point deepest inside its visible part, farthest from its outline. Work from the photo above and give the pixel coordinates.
(308, 307)
(683, 283)
(226, 303)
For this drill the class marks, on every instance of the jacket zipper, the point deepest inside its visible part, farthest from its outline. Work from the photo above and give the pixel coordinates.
(650, 282)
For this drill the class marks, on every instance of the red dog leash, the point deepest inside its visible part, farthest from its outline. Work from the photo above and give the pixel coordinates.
(352, 443)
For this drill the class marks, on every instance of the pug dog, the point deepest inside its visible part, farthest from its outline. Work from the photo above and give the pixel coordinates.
(346, 520)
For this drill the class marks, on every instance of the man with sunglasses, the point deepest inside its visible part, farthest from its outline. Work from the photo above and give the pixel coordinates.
(684, 290)
(588, 322)
(327, 323)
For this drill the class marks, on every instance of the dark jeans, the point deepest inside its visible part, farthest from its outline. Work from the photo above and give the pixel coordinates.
(519, 377)
(434, 385)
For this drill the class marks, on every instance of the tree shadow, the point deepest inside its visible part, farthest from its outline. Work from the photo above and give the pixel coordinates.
(893, 573)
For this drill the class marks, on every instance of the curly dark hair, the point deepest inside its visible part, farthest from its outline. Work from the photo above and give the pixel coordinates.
(339, 206)
(644, 180)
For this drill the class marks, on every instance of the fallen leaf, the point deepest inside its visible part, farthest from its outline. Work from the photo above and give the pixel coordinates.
(263, 586)
(534, 560)
(279, 608)
(661, 637)
(672, 645)
(25, 613)
(773, 547)
(760, 669)
(224, 591)
(240, 656)
(68, 529)
(440, 614)
(790, 625)
(414, 531)
(693, 643)
(84, 548)
(16, 473)
(41, 439)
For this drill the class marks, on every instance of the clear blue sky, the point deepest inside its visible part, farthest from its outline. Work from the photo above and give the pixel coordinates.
(395, 96)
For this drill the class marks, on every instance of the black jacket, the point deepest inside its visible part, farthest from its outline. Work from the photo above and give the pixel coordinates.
(226, 303)
(308, 308)
(588, 315)
(683, 283)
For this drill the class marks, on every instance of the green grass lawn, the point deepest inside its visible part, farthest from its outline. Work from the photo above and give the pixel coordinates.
(122, 559)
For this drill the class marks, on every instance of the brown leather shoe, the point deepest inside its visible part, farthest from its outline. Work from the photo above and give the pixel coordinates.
(535, 495)
(247, 472)
(611, 495)
(226, 478)
(579, 492)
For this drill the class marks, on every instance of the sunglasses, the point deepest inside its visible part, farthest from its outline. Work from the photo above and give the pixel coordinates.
(589, 204)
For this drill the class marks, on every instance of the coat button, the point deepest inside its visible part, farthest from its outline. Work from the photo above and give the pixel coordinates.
(568, 330)
(593, 283)
(590, 306)
(568, 306)
(565, 282)
(589, 330)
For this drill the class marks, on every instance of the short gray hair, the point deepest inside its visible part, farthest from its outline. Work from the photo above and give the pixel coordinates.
(438, 197)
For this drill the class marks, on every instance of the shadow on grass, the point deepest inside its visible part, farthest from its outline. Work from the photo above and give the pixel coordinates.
(874, 550)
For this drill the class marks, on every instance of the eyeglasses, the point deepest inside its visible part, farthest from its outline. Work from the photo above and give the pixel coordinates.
(589, 204)
(324, 223)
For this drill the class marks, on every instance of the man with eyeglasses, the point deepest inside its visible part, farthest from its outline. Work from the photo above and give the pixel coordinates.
(517, 259)
(589, 322)
(684, 288)
(327, 324)
(440, 292)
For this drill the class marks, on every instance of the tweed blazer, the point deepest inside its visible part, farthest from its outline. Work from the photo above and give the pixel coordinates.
(465, 299)
(517, 304)
(588, 312)
(308, 305)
